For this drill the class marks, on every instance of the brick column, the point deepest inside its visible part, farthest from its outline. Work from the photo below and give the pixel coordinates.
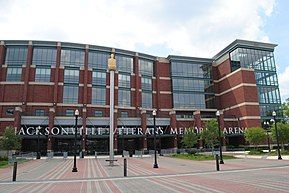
(84, 115)
(137, 82)
(173, 123)
(198, 124)
(222, 125)
(144, 127)
(50, 139)
(27, 75)
(17, 118)
(58, 57)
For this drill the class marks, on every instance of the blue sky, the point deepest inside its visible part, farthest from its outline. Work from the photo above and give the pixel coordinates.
(158, 27)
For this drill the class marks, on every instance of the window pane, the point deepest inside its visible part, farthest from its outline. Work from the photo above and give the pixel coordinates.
(124, 80)
(44, 56)
(71, 76)
(146, 67)
(124, 98)
(97, 60)
(14, 74)
(146, 99)
(16, 55)
(98, 78)
(72, 58)
(70, 94)
(42, 74)
(124, 63)
(98, 95)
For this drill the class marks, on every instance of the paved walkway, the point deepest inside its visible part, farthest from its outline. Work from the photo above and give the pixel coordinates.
(173, 175)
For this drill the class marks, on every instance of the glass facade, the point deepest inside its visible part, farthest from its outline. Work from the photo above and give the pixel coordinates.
(70, 94)
(98, 95)
(124, 63)
(262, 61)
(70, 57)
(44, 56)
(146, 70)
(71, 76)
(16, 55)
(124, 80)
(124, 98)
(192, 85)
(97, 60)
(42, 74)
(98, 78)
(14, 74)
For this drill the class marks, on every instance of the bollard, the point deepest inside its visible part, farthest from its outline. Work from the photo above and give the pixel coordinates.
(125, 168)
(14, 171)
(217, 162)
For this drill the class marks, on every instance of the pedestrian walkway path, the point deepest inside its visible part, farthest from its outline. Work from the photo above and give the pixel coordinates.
(173, 175)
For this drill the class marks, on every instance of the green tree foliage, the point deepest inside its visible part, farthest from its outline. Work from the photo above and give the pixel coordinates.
(283, 133)
(255, 135)
(210, 134)
(190, 138)
(285, 107)
(9, 140)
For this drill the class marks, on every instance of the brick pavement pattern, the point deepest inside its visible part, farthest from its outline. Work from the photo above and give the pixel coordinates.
(173, 175)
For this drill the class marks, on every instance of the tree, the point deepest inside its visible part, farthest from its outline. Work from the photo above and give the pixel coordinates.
(190, 138)
(10, 141)
(255, 135)
(210, 134)
(285, 107)
(283, 133)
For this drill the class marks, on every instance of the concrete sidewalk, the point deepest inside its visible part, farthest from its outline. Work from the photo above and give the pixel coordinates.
(173, 175)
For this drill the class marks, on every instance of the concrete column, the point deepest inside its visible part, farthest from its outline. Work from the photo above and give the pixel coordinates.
(173, 123)
(198, 124)
(50, 125)
(17, 118)
(144, 127)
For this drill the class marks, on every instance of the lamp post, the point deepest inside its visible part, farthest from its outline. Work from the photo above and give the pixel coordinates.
(154, 116)
(38, 145)
(220, 140)
(122, 142)
(266, 126)
(76, 114)
(277, 136)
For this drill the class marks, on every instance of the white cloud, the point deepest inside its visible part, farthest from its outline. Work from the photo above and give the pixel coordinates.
(283, 83)
(201, 29)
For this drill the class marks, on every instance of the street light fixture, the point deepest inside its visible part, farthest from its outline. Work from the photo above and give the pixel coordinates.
(154, 116)
(277, 135)
(76, 114)
(266, 126)
(220, 140)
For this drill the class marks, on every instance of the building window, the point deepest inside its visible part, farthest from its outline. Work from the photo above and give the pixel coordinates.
(9, 111)
(124, 80)
(98, 95)
(98, 113)
(97, 60)
(42, 74)
(146, 99)
(73, 58)
(184, 69)
(123, 114)
(146, 83)
(189, 100)
(124, 98)
(16, 56)
(98, 78)
(146, 67)
(39, 112)
(44, 56)
(71, 75)
(69, 112)
(124, 63)
(14, 74)
(70, 94)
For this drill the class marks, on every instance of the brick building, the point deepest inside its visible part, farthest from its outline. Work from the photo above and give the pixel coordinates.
(42, 83)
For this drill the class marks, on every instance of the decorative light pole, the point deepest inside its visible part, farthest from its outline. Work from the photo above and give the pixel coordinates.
(277, 135)
(76, 114)
(266, 126)
(220, 139)
(122, 142)
(111, 68)
(154, 116)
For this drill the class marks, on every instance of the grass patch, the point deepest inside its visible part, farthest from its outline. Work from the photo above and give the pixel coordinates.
(199, 157)
(272, 153)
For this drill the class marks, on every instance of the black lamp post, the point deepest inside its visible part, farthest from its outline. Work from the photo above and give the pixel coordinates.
(220, 139)
(122, 142)
(277, 135)
(154, 116)
(76, 114)
(38, 145)
(266, 126)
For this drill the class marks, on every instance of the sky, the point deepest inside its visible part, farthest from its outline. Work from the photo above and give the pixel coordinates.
(157, 27)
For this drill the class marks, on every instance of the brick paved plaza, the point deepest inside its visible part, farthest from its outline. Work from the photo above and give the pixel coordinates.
(173, 175)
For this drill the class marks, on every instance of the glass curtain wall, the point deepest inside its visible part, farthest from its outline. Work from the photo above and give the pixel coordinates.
(72, 60)
(263, 63)
(192, 85)
(146, 70)
(16, 57)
